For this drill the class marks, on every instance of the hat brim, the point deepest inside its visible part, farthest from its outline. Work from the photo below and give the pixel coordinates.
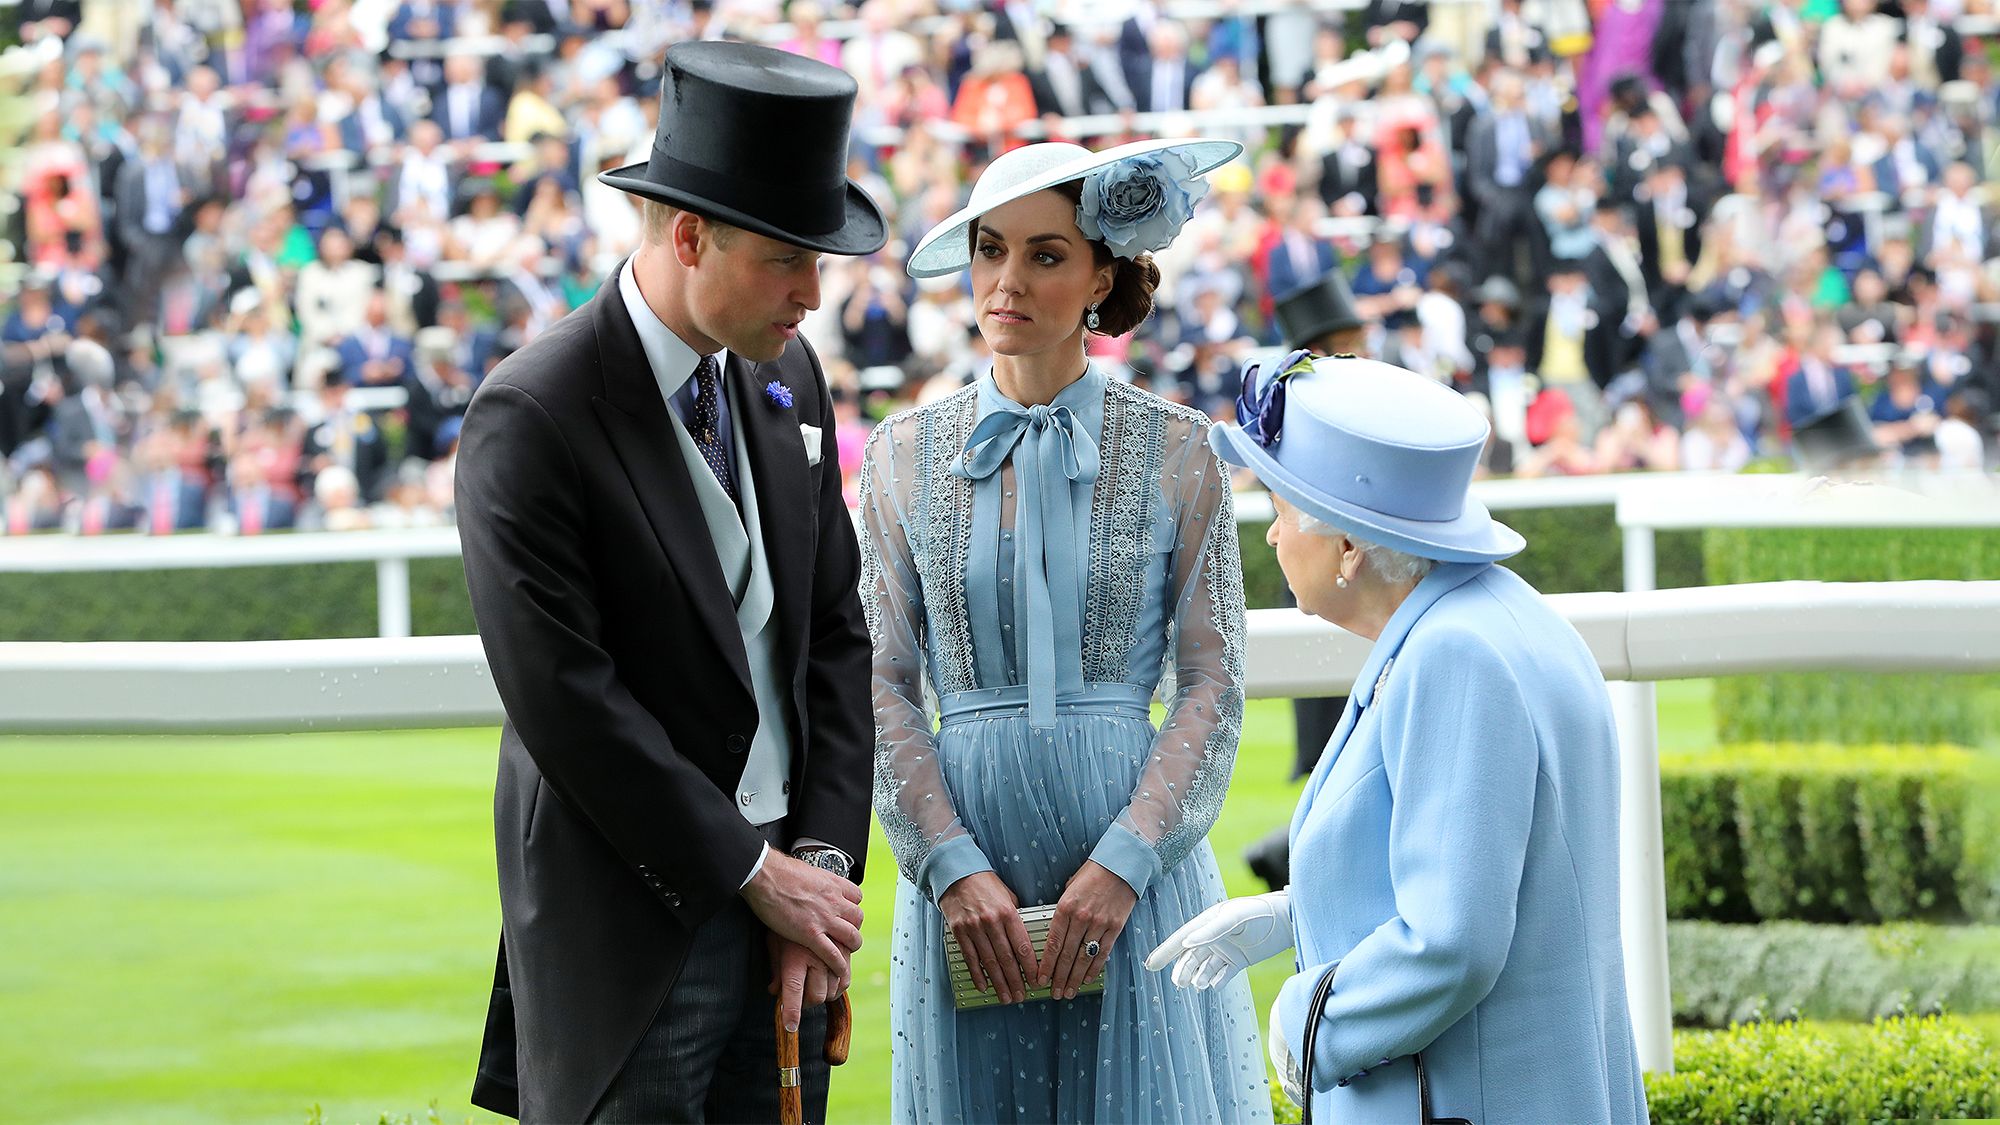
(1474, 536)
(863, 232)
(939, 252)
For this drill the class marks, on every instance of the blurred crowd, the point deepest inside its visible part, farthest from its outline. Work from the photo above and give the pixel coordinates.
(271, 248)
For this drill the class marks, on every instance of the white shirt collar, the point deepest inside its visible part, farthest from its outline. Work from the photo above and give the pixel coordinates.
(672, 360)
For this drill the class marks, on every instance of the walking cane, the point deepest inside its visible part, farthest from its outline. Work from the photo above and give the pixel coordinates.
(839, 1037)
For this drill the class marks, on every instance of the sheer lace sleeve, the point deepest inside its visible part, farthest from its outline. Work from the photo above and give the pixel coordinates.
(931, 844)
(1180, 791)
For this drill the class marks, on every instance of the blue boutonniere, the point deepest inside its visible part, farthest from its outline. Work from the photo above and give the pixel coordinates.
(1260, 404)
(779, 394)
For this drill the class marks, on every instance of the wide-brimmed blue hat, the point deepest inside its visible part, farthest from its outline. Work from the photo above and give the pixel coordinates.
(1379, 452)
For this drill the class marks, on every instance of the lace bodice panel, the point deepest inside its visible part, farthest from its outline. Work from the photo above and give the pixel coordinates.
(1163, 588)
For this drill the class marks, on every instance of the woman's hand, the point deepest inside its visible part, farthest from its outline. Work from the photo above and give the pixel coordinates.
(1094, 907)
(983, 913)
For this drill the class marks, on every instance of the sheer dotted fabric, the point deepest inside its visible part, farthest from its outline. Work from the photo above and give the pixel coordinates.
(964, 783)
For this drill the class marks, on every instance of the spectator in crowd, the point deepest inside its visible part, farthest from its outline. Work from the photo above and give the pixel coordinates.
(1714, 440)
(1503, 147)
(1668, 202)
(1820, 383)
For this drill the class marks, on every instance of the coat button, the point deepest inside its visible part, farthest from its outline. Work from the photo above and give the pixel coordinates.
(737, 744)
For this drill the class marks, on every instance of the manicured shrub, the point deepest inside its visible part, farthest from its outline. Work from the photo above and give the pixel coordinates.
(1724, 974)
(1824, 833)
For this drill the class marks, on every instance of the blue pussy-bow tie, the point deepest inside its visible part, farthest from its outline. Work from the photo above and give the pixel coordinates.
(1055, 451)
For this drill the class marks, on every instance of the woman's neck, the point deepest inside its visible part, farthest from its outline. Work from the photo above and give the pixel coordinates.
(1036, 380)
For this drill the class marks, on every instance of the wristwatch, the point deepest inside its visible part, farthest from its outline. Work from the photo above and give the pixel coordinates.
(826, 859)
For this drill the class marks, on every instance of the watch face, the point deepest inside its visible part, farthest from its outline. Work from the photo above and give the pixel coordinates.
(826, 860)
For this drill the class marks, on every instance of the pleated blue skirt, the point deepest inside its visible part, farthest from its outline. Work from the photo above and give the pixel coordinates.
(1037, 803)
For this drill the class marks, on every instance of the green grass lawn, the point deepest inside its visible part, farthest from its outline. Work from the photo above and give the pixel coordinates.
(237, 929)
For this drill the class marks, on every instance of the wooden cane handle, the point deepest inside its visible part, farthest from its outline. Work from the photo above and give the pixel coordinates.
(839, 1029)
(791, 1107)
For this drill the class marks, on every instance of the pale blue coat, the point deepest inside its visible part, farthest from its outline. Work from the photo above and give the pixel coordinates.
(1456, 852)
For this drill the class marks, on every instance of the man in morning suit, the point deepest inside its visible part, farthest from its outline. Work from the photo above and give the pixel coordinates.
(664, 578)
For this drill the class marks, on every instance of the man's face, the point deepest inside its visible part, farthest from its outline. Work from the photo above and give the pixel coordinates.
(748, 293)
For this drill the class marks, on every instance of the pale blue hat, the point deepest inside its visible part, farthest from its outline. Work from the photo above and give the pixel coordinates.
(1382, 453)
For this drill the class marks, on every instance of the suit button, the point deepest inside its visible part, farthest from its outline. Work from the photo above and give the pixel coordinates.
(737, 744)
(673, 899)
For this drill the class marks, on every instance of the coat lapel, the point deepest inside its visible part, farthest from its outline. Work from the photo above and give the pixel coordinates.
(635, 418)
(770, 436)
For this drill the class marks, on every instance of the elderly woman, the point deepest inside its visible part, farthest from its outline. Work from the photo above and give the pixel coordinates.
(1456, 905)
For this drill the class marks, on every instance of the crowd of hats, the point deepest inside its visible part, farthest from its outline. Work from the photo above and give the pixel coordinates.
(1631, 255)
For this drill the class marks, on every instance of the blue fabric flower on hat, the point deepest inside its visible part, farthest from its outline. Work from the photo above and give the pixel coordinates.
(1140, 203)
(778, 393)
(1260, 404)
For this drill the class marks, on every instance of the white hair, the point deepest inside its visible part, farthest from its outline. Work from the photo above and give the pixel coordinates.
(1389, 565)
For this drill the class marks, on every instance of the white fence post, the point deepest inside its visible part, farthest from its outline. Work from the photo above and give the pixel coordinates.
(392, 597)
(1642, 882)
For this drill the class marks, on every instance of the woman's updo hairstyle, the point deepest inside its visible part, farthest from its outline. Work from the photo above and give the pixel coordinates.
(1130, 301)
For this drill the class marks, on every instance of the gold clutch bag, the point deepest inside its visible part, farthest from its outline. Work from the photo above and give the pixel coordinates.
(964, 996)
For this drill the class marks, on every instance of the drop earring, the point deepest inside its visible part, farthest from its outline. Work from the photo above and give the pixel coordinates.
(1090, 320)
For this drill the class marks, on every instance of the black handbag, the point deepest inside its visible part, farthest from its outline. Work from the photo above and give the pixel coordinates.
(1320, 994)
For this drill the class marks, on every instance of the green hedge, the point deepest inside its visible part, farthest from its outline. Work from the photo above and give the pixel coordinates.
(1569, 550)
(1850, 707)
(1724, 974)
(1922, 1069)
(1825, 833)
(249, 603)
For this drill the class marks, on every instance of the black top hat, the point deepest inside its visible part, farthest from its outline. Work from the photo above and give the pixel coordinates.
(1312, 311)
(757, 138)
(1835, 437)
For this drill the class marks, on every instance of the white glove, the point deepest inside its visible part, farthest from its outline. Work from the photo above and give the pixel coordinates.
(1226, 939)
(1290, 1075)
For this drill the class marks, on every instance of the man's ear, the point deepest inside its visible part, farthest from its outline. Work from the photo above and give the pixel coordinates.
(689, 238)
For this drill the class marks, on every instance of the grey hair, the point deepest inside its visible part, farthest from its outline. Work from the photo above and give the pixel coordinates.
(1389, 564)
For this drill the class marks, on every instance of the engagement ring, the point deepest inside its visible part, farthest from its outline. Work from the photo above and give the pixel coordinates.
(1090, 948)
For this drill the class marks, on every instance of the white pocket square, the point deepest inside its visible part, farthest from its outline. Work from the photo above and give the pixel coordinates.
(810, 434)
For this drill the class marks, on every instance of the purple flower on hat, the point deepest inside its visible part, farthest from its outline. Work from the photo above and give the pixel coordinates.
(1260, 409)
(1140, 203)
(778, 393)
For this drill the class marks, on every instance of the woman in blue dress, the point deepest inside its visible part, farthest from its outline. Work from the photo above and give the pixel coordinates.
(1038, 548)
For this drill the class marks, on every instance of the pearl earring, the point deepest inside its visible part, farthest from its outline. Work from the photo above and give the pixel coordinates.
(1090, 321)
(1340, 580)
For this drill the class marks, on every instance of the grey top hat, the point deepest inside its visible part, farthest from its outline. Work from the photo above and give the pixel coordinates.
(1497, 290)
(1311, 311)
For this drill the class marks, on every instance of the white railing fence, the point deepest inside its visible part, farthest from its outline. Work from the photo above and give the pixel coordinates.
(391, 551)
(1638, 638)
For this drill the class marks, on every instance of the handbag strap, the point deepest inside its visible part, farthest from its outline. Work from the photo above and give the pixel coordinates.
(1321, 993)
(1424, 1097)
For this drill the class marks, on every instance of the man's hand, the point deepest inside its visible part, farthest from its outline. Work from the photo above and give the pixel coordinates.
(815, 909)
(799, 981)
